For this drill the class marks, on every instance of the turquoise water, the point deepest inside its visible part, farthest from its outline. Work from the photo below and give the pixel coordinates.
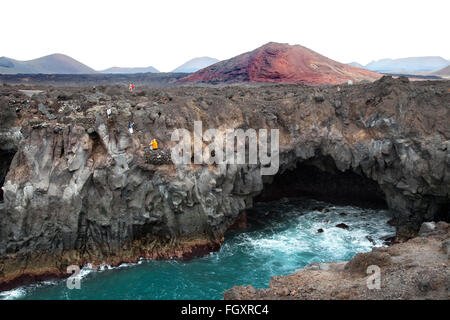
(282, 237)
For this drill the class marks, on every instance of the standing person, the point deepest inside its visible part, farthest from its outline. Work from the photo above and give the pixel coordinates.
(130, 127)
(154, 144)
(130, 87)
(108, 113)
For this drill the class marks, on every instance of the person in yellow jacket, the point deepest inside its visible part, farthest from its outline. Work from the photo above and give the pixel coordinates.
(154, 145)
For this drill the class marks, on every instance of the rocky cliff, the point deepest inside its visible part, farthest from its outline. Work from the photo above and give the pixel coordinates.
(80, 188)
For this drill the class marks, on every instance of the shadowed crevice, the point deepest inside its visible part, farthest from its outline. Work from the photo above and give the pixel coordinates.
(319, 179)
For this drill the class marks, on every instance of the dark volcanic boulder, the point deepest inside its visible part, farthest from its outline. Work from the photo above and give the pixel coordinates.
(342, 226)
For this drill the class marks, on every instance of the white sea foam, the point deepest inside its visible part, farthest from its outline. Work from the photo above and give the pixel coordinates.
(299, 232)
(20, 292)
(89, 268)
(12, 294)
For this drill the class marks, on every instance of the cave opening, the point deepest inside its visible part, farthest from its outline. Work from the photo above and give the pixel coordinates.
(312, 196)
(320, 179)
(6, 158)
(443, 212)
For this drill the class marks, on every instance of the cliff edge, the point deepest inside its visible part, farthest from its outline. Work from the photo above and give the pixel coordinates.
(80, 188)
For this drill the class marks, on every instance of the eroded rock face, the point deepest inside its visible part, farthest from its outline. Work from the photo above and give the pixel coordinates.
(81, 188)
(416, 269)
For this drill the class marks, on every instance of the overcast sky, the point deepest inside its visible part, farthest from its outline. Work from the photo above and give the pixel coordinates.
(167, 33)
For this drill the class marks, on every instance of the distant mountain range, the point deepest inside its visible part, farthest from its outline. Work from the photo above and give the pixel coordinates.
(288, 63)
(196, 64)
(120, 70)
(62, 64)
(444, 72)
(280, 63)
(356, 65)
(51, 64)
(412, 65)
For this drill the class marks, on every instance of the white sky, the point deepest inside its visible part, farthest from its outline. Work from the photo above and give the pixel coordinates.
(167, 33)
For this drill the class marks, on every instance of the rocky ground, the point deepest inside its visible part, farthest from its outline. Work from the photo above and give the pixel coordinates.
(78, 187)
(154, 80)
(416, 269)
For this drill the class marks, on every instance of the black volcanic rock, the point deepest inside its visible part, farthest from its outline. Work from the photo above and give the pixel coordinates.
(342, 226)
(80, 188)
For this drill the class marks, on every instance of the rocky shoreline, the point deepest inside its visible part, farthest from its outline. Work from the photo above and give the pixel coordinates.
(415, 269)
(79, 188)
(41, 269)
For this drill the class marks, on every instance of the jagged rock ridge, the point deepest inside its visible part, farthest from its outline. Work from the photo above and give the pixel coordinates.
(81, 188)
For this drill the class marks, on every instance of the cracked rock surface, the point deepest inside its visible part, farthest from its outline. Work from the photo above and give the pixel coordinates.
(78, 187)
